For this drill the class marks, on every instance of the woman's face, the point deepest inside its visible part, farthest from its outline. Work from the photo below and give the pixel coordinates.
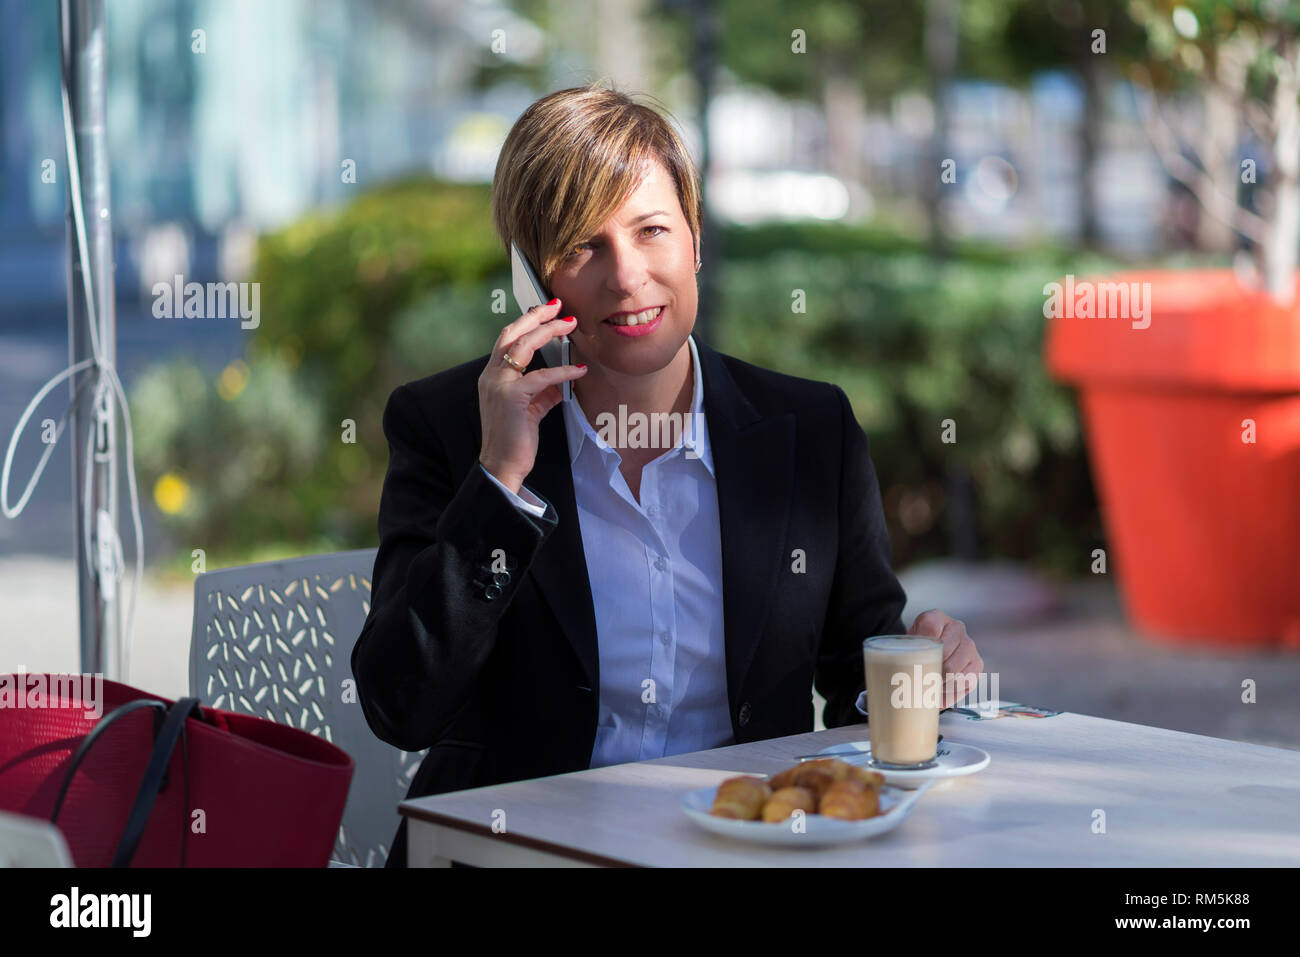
(643, 258)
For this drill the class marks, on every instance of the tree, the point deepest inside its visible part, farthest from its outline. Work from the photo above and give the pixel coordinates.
(843, 54)
(1243, 58)
(1011, 40)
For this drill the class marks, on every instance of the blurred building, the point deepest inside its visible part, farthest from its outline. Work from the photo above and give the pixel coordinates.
(228, 117)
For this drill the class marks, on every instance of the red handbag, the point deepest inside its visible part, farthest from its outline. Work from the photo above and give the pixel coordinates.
(157, 783)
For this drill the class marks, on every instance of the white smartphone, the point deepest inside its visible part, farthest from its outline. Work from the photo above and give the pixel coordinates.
(530, 292)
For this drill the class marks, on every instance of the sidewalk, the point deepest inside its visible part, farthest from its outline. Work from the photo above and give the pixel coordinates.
(38, 623)
(1080, 656)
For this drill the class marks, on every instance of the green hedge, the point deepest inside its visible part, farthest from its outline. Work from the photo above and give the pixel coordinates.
(410, 279)
(915, 343)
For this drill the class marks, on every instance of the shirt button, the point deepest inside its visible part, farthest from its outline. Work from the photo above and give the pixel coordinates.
(665, 637)
(652, 510)
(660, 563)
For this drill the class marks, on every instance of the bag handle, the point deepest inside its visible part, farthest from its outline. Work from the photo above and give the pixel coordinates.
(90, 739)
(164, 744)
(172, 727)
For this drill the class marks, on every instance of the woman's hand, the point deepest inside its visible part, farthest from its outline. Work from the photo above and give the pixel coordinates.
(961, 660)
(511, 403)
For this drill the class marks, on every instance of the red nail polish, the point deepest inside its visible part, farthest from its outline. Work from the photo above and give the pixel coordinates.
(568, 319)
(582, 365)
(553, 302)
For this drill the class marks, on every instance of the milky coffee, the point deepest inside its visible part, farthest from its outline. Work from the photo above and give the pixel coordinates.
(904, 721)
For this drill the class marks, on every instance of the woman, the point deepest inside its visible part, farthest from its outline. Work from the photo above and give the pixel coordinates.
(549, 596)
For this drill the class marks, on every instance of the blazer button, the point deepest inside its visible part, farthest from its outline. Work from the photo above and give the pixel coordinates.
(745, 712)
(501, 578)
(492, 592)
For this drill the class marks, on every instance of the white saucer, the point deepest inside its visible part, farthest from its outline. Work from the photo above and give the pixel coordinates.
(954, 761)
(817, 829)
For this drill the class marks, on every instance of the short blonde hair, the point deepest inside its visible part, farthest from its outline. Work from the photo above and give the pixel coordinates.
(569, 163)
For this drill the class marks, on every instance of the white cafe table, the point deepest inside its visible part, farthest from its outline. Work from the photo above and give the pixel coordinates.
(1170, 799)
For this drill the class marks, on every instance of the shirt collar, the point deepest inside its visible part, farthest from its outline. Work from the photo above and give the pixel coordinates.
(695, 436)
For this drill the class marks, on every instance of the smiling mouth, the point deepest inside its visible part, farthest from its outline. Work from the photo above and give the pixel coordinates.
(636, 319)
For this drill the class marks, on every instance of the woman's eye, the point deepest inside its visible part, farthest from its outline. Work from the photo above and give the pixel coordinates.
(578, 248)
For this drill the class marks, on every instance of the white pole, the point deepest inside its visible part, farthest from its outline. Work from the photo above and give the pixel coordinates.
(94, 430)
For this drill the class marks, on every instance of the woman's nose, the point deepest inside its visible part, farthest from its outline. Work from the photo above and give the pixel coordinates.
(627, 270)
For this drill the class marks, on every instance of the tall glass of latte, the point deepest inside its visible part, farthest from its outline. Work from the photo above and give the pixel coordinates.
(904, 694)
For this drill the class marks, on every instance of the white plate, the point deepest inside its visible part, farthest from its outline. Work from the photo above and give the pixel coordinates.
(818, 830)
(954, 761)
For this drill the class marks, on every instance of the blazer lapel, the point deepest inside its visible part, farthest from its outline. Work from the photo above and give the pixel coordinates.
(753, 462)
(560, 567)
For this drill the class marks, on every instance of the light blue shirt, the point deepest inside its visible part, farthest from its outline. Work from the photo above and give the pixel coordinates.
(655, 569)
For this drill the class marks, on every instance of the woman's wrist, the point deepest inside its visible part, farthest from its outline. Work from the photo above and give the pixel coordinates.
(501, 476)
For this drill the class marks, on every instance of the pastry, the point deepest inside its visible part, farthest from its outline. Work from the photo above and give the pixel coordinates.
(786, 801)
(850, 800)
(783, 779)
(822, 772)
(817, 776)
(741, 799)
(856, 772)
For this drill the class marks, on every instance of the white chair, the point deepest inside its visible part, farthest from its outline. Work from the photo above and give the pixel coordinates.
(275, 640)
(31, 842)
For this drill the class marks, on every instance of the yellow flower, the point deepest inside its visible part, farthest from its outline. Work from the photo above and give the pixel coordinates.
(171, 493)
(232, 380)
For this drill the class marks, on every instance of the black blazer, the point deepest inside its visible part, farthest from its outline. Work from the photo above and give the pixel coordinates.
(496, 673)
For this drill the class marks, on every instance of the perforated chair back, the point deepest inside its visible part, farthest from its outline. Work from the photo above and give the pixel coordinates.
(275, 640)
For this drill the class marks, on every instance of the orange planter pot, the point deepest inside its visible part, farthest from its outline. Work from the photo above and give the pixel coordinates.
(1193, 431)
